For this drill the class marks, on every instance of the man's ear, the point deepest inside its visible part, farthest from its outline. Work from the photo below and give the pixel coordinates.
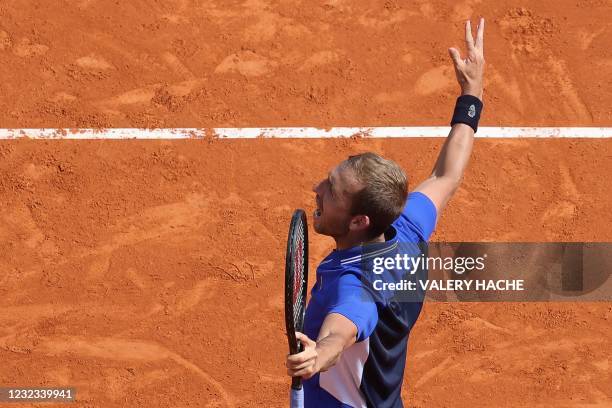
(359, 223)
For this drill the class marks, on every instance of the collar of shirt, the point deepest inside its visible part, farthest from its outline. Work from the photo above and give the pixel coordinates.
(353, 256)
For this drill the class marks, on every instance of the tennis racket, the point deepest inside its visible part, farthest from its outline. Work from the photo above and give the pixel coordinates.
(296, 282)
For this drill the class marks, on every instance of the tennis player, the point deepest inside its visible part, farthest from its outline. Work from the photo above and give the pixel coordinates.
(354, 349)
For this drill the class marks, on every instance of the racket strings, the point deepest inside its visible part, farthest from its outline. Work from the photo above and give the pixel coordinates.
(299, 284)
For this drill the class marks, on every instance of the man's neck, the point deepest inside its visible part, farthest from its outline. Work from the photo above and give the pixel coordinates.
(343, 243)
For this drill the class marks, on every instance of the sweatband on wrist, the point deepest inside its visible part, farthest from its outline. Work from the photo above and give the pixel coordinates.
(467, 110)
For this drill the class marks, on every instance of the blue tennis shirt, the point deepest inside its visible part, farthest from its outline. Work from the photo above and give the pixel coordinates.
(371, 371)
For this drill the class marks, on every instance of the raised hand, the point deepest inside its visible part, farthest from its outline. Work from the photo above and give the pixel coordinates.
(470, 70)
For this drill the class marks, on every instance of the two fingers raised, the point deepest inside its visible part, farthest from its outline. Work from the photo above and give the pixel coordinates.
(472, 46)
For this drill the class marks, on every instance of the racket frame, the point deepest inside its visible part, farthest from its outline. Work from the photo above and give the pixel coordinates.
(299, 217)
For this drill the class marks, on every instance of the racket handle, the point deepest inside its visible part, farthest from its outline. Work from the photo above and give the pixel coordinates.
(297, 398)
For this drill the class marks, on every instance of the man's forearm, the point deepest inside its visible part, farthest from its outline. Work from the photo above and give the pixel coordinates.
(455, 153)
(329, 350)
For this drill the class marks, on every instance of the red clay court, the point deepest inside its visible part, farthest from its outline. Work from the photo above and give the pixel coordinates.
(148, 273)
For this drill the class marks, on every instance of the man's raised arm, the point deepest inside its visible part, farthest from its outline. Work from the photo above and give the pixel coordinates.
(455, 153)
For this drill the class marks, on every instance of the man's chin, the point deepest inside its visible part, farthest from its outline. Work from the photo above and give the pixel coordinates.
(318, 228)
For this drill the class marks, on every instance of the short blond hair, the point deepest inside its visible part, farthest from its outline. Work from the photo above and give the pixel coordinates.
(384, 192)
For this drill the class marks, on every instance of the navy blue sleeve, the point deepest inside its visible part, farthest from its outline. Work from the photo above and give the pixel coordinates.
(354, 302)
(419, 215)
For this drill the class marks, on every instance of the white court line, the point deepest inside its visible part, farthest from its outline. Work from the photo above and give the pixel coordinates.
(303, 133)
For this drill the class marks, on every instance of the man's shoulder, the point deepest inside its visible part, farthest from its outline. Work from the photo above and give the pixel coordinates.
(417, 220)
